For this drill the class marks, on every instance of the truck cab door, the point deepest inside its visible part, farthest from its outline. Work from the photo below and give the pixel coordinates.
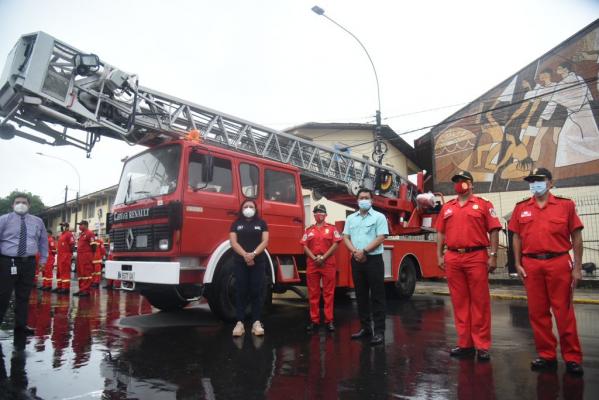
(283, 209)
(210, 202)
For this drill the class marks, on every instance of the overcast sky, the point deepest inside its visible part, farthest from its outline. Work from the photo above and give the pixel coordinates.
(278, 64)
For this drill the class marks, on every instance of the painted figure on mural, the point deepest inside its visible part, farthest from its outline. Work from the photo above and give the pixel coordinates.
(578, 140)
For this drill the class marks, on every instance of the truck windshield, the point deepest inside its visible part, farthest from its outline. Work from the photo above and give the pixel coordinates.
(153, 173)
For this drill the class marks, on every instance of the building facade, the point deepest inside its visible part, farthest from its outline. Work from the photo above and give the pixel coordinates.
(354, 139)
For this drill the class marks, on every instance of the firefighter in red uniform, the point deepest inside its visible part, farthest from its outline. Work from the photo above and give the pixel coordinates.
(66, 241)
(85, 256)
(99, 254)
(545, 228)
(467, 225)
(320, 242)
(47, 271)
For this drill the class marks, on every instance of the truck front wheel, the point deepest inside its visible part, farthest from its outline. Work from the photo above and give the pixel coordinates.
(166, 298)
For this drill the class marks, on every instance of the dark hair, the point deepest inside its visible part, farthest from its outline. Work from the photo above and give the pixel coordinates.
(49, 231)
(21, 195)
(567, 65)
(365, 190)
(240, 213)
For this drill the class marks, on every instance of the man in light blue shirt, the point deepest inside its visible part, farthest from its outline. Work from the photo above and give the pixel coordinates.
(22, 236)
(364, 233)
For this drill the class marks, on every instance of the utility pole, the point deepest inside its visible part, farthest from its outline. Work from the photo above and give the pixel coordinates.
(64, 209)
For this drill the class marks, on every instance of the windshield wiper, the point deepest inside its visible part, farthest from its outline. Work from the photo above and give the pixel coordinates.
(128, 192)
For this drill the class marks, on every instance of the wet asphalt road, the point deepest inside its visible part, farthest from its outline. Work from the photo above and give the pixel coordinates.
(114, 346)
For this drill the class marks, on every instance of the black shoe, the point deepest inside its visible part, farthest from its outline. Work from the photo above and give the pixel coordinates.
(330, 327)
(55, 290)
(361, 334)
(574, 368)
(543, 364)
(64, 291)
(81, 294)
(95, 285)
(483, 355)
(24, 330)
(462, 352)
(312, 327)
(108, 287)
(377, 338)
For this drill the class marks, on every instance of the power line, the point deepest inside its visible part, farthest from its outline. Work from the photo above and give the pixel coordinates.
(449, 121)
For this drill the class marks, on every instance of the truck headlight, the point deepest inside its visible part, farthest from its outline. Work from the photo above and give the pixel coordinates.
(163, 244)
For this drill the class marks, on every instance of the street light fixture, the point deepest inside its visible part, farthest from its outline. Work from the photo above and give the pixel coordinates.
(379, 148)
(78, 181)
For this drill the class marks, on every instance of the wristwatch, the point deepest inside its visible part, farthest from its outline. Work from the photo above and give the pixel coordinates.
(493, 254)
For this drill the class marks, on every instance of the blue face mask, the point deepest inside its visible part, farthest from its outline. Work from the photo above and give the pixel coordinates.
(538, 188)
(365, 204)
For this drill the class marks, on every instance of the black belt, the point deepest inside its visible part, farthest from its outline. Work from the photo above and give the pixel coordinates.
(16, 258)
(466, 249)
(544, 256)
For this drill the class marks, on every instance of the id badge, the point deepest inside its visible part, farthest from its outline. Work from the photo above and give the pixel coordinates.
(13, 270)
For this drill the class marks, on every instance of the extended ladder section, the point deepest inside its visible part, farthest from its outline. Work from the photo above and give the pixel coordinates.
(49, 89)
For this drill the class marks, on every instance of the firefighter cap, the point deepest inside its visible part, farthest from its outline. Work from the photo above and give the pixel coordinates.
(462, 175)
(84, 222)
(64, 224)
(319, 208)
(538, 174)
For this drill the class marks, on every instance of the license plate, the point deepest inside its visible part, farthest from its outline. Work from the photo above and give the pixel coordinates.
(126, 276)
(141, 241)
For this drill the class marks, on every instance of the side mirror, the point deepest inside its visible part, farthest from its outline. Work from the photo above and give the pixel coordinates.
(208, 168)
(108, 222)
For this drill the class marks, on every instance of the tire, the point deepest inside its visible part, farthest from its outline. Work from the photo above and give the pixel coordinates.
(164, 297)
(221, 293)
(406, 281)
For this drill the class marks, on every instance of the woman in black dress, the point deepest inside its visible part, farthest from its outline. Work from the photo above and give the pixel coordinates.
(249, 238)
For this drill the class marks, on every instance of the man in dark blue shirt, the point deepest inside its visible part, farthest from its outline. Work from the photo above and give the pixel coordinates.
(22, 236)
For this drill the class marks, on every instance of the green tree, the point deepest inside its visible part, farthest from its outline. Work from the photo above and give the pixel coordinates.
(35, 207)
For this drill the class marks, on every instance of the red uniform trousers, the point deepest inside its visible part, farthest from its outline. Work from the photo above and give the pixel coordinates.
(313, 276)
(549, 287)
(467, 278)
(97, 272)
(84, 270)
(48, 271)
(113, 282)
(63, 273)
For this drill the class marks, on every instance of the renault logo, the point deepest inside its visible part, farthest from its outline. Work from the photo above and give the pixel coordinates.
(129, 238)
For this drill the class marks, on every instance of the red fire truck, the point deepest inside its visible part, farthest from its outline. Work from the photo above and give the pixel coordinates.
(176, 200)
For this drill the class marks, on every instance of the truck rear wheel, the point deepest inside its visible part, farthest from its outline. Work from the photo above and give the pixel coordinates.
(166, 298)
(221, 294)
(406, 281)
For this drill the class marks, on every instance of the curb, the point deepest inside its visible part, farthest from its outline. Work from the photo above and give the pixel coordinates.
(511, 297)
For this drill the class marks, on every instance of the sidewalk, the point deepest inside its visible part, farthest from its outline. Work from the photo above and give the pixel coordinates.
(512, 291)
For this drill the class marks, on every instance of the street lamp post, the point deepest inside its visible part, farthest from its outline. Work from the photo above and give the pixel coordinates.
(78, 183)
(379, 147)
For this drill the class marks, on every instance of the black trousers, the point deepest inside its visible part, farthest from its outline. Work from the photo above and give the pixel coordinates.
(369, 283)
(21, 283)
(249, 287)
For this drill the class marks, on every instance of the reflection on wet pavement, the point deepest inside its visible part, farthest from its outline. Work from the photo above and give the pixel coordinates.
(113, 345)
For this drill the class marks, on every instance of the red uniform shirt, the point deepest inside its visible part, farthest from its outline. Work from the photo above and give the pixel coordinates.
(100, 249)
(51, 245)
(86, 239)
(66, 242)
(319, 240)
(547, 229)
(467, 225)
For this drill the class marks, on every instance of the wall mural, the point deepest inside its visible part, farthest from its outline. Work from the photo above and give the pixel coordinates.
(545, 115)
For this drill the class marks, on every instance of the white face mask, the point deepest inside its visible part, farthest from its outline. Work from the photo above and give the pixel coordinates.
(21, 208)
(249, 212)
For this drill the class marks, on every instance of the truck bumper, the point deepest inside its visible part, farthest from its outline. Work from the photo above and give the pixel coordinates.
(166, 273)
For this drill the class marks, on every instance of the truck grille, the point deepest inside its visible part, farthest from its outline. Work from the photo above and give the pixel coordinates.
(140, 238)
